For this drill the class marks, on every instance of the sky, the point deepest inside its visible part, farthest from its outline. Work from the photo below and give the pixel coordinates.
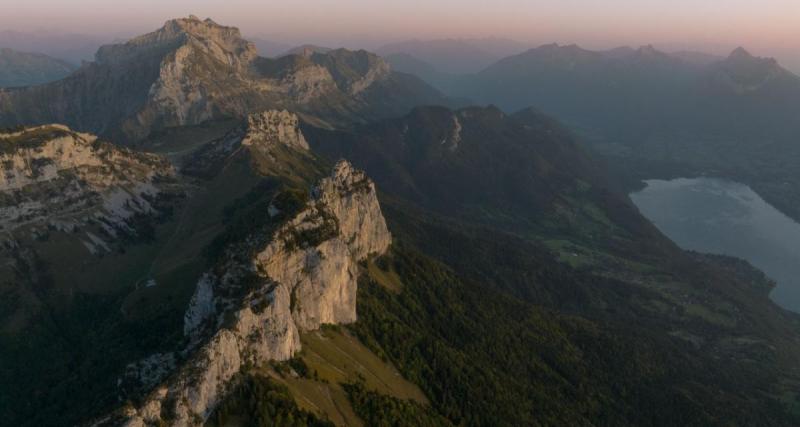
(765, 27)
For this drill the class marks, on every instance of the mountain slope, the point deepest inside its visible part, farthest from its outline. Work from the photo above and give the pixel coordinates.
(471, 163)
(191, 71)
(583, 271)
(25, 69)
(103, 327)
(656, 115)
(499, 305)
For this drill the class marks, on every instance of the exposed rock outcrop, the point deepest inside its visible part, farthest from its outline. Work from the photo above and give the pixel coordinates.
(274, 127)
(305, 276)
(266, 135)
(191, 70)
(52, 176)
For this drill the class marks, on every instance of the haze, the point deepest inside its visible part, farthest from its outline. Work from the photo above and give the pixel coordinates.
(768, 27)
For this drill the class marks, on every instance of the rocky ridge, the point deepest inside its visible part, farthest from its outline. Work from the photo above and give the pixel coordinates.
(265, 135)
(54, 177)
(272, 126)
(251, 309)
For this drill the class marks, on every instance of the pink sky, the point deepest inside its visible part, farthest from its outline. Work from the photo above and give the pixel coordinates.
(766, 27)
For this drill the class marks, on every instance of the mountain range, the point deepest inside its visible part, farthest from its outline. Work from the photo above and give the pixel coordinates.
(653, 114)
(191, 71)
(311, 240)
(456, 56)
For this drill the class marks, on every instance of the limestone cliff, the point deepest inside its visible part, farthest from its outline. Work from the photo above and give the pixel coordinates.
(250, 309)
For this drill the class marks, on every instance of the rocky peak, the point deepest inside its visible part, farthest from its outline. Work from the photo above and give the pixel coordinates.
(307, 276)
(191, 71)
(265, 135)
(221, 41)
(742, 72)
(274, 127)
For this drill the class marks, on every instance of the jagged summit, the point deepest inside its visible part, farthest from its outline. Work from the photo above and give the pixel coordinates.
(191, 71)
(222, 42)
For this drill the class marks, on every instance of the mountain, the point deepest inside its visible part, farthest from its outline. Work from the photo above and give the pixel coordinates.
(515, 215)
(191, 71)
(143, 308)
(456, 56)
(490, 254)
(306, 278)
(742, 73)
(440, 159)
(68, 195)
(567, 80)
(653, 114)
(297, 251)
(24, 69)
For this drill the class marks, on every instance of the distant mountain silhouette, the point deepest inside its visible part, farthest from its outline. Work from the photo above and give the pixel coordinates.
(660, 114)
(73, 48)
(457, 56)
(24, 68)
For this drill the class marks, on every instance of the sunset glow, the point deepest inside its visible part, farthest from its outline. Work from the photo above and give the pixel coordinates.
(768, 28)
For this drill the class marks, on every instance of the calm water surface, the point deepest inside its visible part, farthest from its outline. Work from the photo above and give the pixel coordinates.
(724, 217)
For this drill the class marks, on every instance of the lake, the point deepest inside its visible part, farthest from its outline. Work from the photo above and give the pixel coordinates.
(723, 217)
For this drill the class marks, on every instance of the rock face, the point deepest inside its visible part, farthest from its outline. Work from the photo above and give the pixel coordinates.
(191, 70)
(272, 127)
(53, 176)
(266, 135)
(305, 276)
